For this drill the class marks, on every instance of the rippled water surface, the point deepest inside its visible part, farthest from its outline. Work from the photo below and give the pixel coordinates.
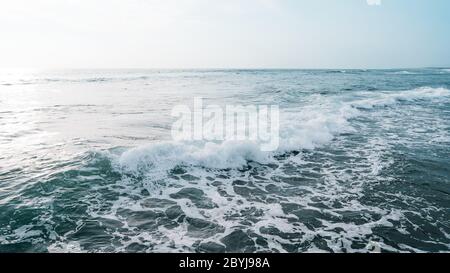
(87, 163)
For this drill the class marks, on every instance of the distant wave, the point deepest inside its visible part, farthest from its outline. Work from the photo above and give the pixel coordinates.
(404, 72)
(73, 80)
(422, 71)
(390, 98)
(336, 71)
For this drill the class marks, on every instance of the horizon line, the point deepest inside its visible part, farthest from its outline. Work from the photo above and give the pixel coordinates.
(218, 68)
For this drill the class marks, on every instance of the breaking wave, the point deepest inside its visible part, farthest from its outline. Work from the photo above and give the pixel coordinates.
(312, 126)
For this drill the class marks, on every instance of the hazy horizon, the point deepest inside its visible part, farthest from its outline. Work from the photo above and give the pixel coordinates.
(253, 68)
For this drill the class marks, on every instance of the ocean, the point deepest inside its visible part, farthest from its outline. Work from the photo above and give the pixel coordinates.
(88, 164)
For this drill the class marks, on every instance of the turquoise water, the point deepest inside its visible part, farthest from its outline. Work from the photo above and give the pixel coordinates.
(87, 163)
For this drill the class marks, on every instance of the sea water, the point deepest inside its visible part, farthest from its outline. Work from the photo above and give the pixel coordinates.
(88, 164)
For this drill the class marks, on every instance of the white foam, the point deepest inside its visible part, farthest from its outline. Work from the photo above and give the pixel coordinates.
(315, 126)
(306, 127)
(405, 72)
(67, 247)
(310, 127)
(391, 98)
(167, 155)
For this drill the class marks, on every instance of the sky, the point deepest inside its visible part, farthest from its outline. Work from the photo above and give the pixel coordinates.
(224, 33)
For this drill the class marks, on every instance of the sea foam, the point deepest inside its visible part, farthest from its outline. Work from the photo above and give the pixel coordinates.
(312, 126)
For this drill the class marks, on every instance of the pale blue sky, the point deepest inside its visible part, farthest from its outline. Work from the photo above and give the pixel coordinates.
(224, 33)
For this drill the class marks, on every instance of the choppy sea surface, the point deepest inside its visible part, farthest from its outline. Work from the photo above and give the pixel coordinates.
(87, 163)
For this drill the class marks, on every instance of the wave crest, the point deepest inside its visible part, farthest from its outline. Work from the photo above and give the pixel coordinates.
(308, 128)
(168, 155)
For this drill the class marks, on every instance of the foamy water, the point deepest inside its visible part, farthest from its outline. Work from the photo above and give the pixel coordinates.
(88, 163)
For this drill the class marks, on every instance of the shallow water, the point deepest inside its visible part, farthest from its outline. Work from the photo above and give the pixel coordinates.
(87, 163)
